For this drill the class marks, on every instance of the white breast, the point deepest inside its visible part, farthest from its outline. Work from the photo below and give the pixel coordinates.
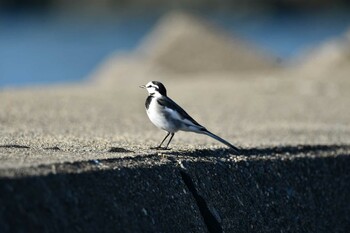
(161, 117)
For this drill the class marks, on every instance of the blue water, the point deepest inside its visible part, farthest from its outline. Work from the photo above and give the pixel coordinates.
(53, 48)
(287, 34)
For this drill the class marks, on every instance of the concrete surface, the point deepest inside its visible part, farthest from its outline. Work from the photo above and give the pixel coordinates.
(77, 159)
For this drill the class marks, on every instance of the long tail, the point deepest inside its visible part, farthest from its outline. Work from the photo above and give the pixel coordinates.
(206, 132)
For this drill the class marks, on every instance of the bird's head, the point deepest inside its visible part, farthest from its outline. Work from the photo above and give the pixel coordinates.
(155, 87)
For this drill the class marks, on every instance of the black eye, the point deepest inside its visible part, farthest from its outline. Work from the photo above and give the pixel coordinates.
(149, 86)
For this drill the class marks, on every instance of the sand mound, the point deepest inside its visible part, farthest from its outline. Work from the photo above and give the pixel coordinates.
(331, 56)
(184, 43)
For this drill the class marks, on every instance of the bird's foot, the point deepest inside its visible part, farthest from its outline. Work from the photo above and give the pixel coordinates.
(160, 148)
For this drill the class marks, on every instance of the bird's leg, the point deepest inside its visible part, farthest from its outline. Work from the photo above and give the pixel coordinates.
(172, 135)
(160, 145)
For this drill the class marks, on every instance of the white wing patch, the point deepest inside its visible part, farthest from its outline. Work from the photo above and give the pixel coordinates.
(186, 124)
(174, 114)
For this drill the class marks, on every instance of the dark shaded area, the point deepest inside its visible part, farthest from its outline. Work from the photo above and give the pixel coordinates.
(300, 195)
(262, 195)
(123, 200)
(210, 221)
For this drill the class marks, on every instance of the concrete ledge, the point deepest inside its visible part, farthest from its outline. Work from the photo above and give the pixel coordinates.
(174, 193)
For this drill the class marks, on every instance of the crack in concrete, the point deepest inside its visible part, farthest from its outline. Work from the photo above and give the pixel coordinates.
(209, 218)
(15, 146)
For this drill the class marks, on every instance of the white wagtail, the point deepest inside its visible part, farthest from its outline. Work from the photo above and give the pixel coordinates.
(167, 115)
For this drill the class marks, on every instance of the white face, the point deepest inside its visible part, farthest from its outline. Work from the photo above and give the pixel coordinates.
(151, 88)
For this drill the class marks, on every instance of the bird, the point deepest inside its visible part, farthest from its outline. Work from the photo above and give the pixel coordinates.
(167, 115)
